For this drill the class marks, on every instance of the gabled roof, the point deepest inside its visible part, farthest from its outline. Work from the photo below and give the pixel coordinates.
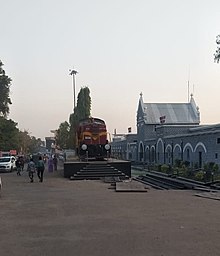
(170, 113)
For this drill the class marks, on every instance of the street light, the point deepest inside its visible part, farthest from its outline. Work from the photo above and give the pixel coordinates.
(73, 73)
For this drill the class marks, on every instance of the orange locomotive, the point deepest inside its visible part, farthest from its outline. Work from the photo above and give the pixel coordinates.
(92, 140)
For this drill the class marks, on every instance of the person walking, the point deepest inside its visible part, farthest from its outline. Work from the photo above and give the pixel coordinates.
(18, 164)
(31, 169)
(55, 162)
(40, 169)
(50, 164)
(22, 163)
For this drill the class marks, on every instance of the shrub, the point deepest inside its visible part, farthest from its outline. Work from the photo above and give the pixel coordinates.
(199, 176)
(177, 162)
(164, 168)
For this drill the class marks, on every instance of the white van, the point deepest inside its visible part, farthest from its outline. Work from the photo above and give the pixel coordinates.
(7, 163)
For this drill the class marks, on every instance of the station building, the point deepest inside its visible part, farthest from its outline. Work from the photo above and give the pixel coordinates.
(167, 132)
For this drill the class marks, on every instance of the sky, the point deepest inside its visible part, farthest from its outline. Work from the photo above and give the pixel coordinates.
(120, 48)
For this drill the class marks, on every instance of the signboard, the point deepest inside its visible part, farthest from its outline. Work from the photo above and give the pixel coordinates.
(13, 152)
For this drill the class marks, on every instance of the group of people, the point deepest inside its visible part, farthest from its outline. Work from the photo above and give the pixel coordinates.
(37, 166)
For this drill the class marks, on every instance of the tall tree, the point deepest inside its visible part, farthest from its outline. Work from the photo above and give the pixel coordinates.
(83, 103)
(81, 111)
(5, 100)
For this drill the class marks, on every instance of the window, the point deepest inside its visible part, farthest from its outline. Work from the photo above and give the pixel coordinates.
(218, 140)
(216, 155)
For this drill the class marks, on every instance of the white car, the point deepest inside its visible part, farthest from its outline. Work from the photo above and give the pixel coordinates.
(7, 163)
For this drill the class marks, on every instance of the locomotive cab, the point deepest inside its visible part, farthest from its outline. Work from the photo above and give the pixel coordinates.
(92, 139)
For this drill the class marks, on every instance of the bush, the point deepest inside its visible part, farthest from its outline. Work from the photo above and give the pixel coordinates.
(199, 176)
(183, 171)
(177, 163)
(165, 168)
(176, 171)
(215, 167)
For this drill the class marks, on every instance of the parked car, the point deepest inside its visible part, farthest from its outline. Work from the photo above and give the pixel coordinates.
(7, 163)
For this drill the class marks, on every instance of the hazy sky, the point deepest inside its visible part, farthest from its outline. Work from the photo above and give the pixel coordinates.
(119, 47)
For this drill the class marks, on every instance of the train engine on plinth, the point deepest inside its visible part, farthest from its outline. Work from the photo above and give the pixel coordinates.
(92, 142)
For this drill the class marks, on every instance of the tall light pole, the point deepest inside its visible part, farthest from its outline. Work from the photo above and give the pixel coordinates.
(73, 73)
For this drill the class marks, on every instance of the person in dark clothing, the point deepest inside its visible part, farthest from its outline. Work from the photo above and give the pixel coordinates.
(18, 164)
(22, 163)
(55, 162)
(40, 169)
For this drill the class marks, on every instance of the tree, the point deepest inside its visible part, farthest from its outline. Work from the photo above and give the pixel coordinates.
(83, 103)
(35, 144)
(217, 52)
(28, 144)
(81, 111)
(62, 136)
(5, 100)
(9, 135)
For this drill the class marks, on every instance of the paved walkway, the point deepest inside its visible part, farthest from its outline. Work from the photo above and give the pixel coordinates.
(85, 218)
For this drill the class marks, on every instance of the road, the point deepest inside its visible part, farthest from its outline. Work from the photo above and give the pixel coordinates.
(86, 218)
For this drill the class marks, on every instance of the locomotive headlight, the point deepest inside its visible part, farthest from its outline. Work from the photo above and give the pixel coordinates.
(84, 147)
(107, 147)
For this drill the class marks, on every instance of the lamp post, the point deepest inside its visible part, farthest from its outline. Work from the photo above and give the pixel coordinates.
(73, 73)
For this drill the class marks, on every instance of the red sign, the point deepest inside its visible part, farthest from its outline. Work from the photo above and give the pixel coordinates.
(13, 152)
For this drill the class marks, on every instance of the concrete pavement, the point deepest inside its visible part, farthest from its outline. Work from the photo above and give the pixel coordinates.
(86, 218)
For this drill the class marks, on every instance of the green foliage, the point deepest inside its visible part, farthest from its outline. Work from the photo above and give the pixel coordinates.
(211, 170)
(199, 176)
(176, 170)
(12, 138)
(81, 111)
(196, 166)
(164, 168)
(83, 103)
(183, 171)
(5, 100)
(177, 163)
(62, 137)
(9, 134)
(215, 167)
(34, 145)
(28, 144)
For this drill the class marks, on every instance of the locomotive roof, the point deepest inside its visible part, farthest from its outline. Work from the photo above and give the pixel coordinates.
(91, 120)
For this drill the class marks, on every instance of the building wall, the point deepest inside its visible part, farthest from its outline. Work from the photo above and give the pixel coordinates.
(197, 148)
(163, 144)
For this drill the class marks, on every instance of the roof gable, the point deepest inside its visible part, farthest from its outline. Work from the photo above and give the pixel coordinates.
(173, 113)
(168, 113)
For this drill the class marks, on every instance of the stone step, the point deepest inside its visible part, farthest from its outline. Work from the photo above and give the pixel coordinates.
(96, 170)
(99, 174)
(94, 177)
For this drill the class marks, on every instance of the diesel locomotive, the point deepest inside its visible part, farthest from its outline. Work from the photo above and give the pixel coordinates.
(92, 142)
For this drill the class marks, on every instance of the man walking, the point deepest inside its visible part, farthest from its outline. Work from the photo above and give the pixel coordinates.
(40, 169)
(31, 170)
